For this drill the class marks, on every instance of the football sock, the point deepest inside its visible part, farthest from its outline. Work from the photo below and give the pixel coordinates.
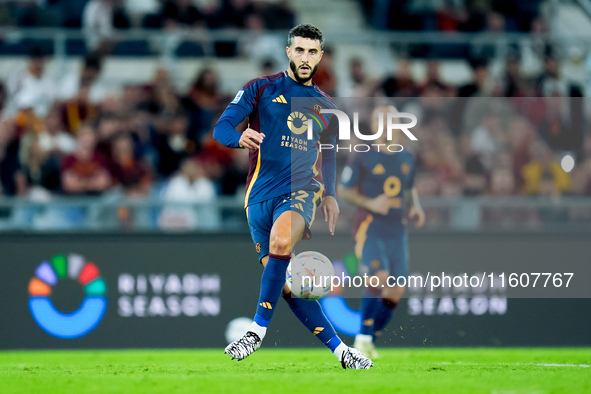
(272, 283)
(369, 305)
(310, 313)
(259, 330)
(339, 350)
(383, 314)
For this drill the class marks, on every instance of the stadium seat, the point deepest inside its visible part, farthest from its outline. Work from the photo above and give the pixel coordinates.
(132, 48)
(189, 49)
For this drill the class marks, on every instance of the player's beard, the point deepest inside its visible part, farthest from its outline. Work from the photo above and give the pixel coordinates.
(294, 69)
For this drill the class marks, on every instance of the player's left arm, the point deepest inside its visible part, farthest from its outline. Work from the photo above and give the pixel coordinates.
(330, 206)
(416, 213)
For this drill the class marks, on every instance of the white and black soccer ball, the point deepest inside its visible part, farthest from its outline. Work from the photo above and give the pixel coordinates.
(309, 275)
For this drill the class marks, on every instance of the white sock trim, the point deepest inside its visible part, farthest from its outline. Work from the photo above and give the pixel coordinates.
(259, 330)
(338, 352)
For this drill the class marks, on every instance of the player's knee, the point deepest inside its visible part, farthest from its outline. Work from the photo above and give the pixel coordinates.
(394, 294)
(280, 244)
(382, 277)
(372, 286)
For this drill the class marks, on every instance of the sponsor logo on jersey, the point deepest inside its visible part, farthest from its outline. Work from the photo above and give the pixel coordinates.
(297, 122)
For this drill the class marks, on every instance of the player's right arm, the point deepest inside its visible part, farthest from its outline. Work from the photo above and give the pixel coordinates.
(349, 188)
(379, 205)
(242, 106)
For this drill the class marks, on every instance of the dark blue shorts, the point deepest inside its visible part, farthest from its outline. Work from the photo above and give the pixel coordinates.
(261, 216)
(381, 253)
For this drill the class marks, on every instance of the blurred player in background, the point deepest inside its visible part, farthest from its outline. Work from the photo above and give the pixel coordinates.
(281, 198)
(376, 181)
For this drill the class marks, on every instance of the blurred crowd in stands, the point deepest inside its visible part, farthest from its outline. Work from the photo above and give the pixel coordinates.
(403, 15)
(453, 15)
(69, 137)
(106, 15)
(496, 135)
(101, 20)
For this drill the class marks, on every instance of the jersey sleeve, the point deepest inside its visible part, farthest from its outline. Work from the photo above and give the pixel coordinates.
(352, 173)
(329, 158)
(238, 109)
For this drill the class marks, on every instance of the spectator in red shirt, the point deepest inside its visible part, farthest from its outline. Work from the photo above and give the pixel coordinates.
(126, 170)
(85, 172)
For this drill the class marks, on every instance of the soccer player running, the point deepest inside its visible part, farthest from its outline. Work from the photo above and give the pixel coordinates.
(377, 181)
(282, 192)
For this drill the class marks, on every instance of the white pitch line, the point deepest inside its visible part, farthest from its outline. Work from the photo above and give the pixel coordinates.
(565, 365)
(538, 364)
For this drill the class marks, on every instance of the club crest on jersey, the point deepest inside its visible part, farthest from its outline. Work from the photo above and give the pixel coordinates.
(317, 108)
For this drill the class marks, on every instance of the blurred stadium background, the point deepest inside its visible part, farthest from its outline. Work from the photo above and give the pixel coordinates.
(125, 94)
(149, 78)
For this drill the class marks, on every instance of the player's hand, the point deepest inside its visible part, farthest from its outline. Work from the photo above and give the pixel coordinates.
(379, 205)
(251, 139)
(331, 211)
(417, 216)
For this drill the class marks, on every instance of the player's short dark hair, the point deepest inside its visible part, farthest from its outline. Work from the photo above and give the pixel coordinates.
(305, 30)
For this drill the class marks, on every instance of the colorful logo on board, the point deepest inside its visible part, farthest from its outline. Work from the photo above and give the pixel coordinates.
(93, 307)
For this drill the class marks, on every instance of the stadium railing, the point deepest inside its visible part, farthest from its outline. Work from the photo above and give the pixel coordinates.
(142, 42)
(113, 212)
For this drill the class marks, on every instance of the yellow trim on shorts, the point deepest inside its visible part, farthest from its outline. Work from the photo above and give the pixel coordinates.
(361, 235)
(317, 195)
(254, 178)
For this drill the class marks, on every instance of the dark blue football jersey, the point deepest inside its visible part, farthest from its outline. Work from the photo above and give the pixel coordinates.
(287, 160)
(374, 173)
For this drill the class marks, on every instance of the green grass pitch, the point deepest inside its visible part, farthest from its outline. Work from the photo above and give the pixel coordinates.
(435, 370)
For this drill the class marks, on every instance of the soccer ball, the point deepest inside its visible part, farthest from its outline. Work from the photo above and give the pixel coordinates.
(309, 275)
